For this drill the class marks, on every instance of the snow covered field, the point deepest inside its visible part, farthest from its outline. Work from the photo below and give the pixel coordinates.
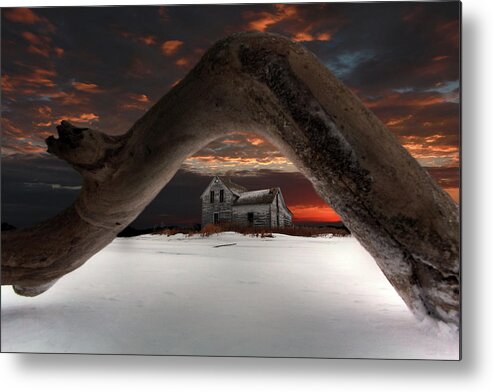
(282, 296)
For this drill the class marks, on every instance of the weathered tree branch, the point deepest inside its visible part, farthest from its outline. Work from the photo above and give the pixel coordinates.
(265, 84)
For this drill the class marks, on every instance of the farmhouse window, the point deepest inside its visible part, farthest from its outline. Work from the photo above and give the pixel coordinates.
(221, 195)
(212, 197)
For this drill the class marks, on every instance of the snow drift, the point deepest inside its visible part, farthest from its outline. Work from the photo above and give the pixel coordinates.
(178, 295)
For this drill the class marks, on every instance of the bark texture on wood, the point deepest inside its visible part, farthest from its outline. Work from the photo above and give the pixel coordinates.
(269, 85)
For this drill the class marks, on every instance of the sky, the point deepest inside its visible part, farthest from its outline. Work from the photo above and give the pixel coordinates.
(103, 67)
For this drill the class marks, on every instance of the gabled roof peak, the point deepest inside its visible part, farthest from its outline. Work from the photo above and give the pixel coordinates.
(232, 186)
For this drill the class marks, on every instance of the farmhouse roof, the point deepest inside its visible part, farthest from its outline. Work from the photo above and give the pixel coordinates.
(233, 187)
(263, 196)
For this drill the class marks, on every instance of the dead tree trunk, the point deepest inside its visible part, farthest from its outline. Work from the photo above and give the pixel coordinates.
(265, 84)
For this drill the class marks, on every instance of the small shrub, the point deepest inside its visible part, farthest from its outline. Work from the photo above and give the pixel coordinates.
(309, 231)
(209, 229)
(168, 232)
(262, 232)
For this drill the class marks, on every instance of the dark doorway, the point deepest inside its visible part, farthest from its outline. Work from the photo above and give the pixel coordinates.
(250, 218)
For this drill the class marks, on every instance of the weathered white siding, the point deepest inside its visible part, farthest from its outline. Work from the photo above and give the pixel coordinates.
(222, 208)
(261, 215)
(280, 216)
(286, 218)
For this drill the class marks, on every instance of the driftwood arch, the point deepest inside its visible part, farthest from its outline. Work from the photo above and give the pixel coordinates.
(265, 84)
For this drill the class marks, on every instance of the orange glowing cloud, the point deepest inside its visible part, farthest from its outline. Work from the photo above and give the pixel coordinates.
(399, 120)
(22, 15)
(427, 133)
(7, 84)
(9, 128)
(440, 58)
(17, 140)
(38, 44)
(392, 99)
(429, 151)
(23, 148)
(147, 40)
(82, 118)
(28, 83)
(240, 151)
(87, 87)
(143, 39)
(231, 141)
(292, 19)
(44, 110)
(43, 124)
(137, 101)
(433, 138)
(263, 20)
(171, 47)
(182, 62)
(263, 161)
(32, 38)
(216, 164)
(65, 98)
(324, 37)
(255, 141)
(59, 52)
(45, 52)
(140, 97)
(307, 37)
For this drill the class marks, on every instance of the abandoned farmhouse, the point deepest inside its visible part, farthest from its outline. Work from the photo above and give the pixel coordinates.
(224, 201)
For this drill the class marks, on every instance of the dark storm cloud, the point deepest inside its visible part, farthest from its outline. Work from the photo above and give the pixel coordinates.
(395, 45)
(36, 188)
(374, 48)
(105, 66)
